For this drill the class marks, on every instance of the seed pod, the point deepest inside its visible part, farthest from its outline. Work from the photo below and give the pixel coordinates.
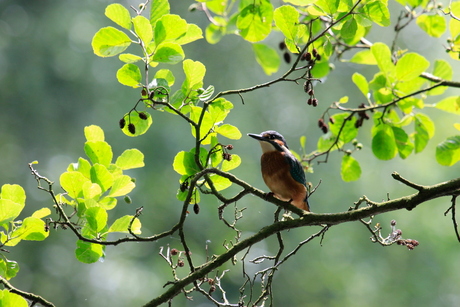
(282, 45)
(331, 120)
(196, 208)
(308, 56)
(132, 128)
(142, 115)
(320, 122)
(287, 57)
(310, 101)
(318, 57)
(325, 128)
(314, 102)
(310, 92)
(122, 123)
(315, 52)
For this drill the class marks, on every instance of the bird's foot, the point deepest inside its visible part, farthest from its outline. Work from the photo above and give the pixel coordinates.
(268, 195)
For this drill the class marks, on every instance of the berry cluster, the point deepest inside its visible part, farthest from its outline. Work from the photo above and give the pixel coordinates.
(176, 252)
(409, 243)
(225, 154)
(131, 126)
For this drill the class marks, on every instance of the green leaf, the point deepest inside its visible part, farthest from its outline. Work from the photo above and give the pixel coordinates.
(169, 27)
(8, 269)
(41, 213)
(349, 28)
(72, 183)
(122, 225)
(101, 176)
(109, 42)
(9, 299)
(141, 125)
(361, 82)
(433, 25)
(448, 152)
(192, 33)
(254, 21)
(165, 74)
(130, 75)
(382, 55)
(158, 8)
(91, 190)
(97, 218)
(443, 70)
(232, 164)
(450, 104)
(99, 152)
(286, 18)
(194, 74)
(348, 132)
(32, 229)
(108, 203)
(410, 66)
(378, 12)
(229, 131)
(119, 14)
(143, 29)
(384, 143)
(184, 163)
(220, 183)
(405, 147)
(350, 169)
(130, 158)
(88, 252)
(169, 53)
(424, 131)
(94, 133)
(326, 141)
(328, 6)
(267, 58)
(129, 58)
(122, 185)
(365, 57)
(214, 33)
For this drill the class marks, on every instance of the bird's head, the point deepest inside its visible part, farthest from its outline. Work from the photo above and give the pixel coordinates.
(270, 140)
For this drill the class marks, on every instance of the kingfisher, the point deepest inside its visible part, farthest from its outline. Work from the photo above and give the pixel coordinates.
(282, 172)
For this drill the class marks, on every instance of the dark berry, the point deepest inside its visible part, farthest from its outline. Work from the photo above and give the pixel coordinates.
(132, 128)
(142, 115)
(122, 123)
(196, 208)
(287, 57)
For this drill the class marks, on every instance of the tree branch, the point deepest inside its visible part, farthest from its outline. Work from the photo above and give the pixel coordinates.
(409, 202)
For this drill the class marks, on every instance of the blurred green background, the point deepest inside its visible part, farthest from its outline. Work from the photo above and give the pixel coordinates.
(52, 86)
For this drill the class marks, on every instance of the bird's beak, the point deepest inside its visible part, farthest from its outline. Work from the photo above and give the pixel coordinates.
(257, 137)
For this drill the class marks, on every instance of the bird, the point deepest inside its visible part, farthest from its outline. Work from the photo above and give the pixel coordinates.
(282, 172)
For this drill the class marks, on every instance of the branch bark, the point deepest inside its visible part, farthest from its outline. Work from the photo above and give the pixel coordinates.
(423, 194)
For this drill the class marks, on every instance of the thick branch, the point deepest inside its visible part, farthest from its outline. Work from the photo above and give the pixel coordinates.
(311, 219)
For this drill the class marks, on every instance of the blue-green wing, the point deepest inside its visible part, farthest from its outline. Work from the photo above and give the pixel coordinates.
(297, 171)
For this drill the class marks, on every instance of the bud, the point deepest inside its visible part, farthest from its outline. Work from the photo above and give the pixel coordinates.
(310, 92)
(310, 101)
(180, 263)
(212, 289)
(320, 122)
(227, 156)
(331, 120)
(393, 223)
(325, 129)
(318, 57)
(174, 252)
(229, 146)
(314, 102)
(211, 281)
(308, 56)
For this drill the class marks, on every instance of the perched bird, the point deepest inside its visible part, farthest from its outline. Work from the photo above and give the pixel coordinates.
(282, 172)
